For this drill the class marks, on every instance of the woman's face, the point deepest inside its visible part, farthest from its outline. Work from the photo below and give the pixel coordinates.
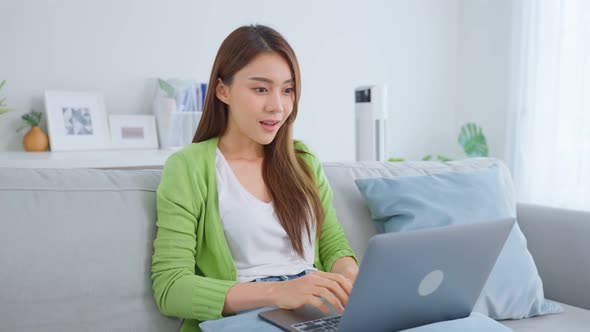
(260, 98)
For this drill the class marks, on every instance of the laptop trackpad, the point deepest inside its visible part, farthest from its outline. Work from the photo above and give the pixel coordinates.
(287, 317)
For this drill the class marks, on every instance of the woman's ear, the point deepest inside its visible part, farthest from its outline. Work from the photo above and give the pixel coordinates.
(222, 91)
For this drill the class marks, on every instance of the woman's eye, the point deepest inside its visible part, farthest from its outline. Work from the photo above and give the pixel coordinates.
(289, 90)
(260, 90)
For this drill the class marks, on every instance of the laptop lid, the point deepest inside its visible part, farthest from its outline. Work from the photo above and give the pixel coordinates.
(415, 278)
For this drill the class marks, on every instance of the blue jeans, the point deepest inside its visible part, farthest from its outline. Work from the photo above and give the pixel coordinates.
(283, 278)
(248, 320)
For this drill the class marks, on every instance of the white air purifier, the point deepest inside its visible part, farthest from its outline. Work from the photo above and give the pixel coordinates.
(371, 122)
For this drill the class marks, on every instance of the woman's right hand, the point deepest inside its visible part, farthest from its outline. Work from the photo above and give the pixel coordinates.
(311, 289)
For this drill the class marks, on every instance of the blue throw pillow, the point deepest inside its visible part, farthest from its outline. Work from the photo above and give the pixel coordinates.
(514, 289)
(249, 321)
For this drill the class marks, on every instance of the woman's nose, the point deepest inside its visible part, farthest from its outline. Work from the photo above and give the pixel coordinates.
(274, 102)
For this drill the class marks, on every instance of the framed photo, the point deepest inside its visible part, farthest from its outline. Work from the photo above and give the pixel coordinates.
(76, 121)
(133, 132)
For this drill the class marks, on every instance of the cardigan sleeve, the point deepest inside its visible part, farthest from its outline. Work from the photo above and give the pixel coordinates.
(178, 291)
(332, 243)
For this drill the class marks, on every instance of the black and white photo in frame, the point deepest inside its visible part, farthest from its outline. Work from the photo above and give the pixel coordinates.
(76, 121)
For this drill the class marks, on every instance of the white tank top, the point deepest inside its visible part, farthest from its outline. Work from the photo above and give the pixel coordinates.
(258, 243)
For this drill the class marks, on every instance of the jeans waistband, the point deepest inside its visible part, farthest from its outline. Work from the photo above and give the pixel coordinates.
(283, 277)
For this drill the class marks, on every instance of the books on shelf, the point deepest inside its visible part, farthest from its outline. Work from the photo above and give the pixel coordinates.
(178, 106)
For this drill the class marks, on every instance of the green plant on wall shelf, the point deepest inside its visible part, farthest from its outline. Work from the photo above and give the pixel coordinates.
(471, 139)
(438, 157)
(3, 107)
(31, 119)
(395, 159)
(35, 139)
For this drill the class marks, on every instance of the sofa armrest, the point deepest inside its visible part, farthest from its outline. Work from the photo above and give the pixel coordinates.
(559, 241)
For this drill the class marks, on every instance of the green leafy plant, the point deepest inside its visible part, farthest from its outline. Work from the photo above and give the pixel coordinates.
(471, 139)
(395, 159)
(31, 119)
(3, 107)
(166, 87)
(438, 157)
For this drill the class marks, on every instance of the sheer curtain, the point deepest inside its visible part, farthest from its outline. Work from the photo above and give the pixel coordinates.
(550, 127)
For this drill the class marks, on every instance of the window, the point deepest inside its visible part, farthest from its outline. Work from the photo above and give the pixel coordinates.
(551, 104)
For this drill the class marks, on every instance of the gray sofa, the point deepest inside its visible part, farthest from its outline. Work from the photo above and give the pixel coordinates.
(76, 245)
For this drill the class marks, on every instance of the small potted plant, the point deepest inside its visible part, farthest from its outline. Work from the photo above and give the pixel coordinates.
(35, 139)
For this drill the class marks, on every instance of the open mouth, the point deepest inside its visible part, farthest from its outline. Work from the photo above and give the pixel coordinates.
(270, 124)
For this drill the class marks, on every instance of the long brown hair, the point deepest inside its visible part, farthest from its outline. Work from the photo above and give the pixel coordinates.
(289, 179)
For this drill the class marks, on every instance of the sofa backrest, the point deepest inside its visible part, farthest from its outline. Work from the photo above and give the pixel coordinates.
(351, 209)
(75, 251)
(76, 245)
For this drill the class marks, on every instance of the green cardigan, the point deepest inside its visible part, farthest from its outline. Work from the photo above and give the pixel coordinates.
(192, 266)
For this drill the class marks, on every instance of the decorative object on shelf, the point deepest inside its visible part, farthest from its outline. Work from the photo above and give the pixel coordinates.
(35, 139)
(178, 106)
(3, 107)
(76, 120)
(438, 157)
(188, 95)
(133, 132)
(471, 139)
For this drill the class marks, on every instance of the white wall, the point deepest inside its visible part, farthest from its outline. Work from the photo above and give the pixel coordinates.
(483, 75)
(119, 47)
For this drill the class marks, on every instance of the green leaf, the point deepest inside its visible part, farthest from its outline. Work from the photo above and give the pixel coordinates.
(33, 118)
(438, 157)
(3, 108)
(166, 87)
(37, 116)
(395, 159)
(473, 141)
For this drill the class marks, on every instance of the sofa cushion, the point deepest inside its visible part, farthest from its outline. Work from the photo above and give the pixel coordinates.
(514, 288)
(475, 322)
(249, 321)
(351, 208)
(75, 251)
(573, 319)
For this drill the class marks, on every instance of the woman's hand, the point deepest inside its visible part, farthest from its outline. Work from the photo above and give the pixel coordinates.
(310, 289)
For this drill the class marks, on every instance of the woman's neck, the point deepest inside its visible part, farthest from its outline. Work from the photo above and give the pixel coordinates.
(240, 147)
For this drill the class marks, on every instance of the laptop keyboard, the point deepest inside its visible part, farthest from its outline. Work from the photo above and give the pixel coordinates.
(326, 324)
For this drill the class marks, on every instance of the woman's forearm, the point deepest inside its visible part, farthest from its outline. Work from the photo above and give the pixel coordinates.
(347, 267)
(249, 295)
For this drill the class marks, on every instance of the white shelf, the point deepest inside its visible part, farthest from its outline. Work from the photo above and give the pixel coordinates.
(86, 159)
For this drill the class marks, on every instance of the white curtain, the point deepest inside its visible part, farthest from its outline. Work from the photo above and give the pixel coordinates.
(550, 127)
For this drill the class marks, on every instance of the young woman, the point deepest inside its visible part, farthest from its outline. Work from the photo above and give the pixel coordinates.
(245, 216)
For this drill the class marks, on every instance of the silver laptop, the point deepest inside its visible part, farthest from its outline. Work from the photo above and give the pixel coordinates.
(410, 279)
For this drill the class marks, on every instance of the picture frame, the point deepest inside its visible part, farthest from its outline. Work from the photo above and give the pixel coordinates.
(133, 131)
(76, 120)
